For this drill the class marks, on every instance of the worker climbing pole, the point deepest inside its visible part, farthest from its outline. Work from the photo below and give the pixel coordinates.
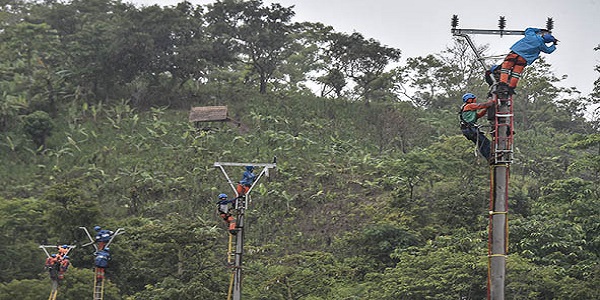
(242, 190)
(101, 243)
(57, 264)
(502, 148)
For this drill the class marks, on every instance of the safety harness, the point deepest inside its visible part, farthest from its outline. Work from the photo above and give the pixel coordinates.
(463, 123)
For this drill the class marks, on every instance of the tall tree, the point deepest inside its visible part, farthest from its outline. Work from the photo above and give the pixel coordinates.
(30, 68)
(261, 34)
(362, 60)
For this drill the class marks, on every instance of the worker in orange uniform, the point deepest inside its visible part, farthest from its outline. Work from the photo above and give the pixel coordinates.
(469, 113)
(223, 207)
(64, 265)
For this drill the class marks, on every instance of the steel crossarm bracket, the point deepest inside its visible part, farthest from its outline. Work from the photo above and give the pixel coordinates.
(264, 171)
(92, 242)
(456, 31)
(117, 232)
(43, 247)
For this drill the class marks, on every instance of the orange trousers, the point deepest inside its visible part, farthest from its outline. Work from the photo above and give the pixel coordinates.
(511, 70)
(242, 189)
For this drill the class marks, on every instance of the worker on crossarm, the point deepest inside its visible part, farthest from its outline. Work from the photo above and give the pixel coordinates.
(469, 113)
(223, 207)
(523, 53)
(103, 236)
(63, 250)
(246, 182)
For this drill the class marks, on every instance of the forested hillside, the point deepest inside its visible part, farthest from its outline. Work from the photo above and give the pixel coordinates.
(376, 194)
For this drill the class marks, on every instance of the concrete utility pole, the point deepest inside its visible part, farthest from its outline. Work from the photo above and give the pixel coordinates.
(502, 151)
(240, 206)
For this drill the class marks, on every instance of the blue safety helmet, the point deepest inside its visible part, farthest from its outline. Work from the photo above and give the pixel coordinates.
(493, 68)
(53, 255)
(66, 257)
(97, 228)
(468, 96)
(249, 168)
(221, 196)
(548, 38)
(65, 246)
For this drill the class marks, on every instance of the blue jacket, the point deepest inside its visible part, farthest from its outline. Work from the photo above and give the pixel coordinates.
(248, 178)
(102, 258)
(530, 46)
(103, 235)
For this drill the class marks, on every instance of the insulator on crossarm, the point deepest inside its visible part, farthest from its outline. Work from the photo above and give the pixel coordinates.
(454, 21)
(502, 23)
(549, 24)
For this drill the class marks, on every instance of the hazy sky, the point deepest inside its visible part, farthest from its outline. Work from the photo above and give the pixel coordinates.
(422, 27)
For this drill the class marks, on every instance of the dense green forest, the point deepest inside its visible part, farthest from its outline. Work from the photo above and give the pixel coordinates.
(376, 194)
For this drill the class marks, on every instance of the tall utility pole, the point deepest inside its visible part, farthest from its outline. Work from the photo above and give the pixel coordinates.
(502, 151)
(240, 206)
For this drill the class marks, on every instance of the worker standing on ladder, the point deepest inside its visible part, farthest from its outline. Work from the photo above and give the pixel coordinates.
(247, 180)
(53, 265)
(523, 53)
(223, 208)
(64, 266)
(101, 262)
(469, 113)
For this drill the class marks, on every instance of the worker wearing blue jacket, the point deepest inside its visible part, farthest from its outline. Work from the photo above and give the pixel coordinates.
(523, 53)
(246, 182)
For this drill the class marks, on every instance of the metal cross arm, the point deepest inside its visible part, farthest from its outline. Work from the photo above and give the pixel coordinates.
(460, 32)
(93, 242)
(500, 31)
(43, 247)
(264, 171)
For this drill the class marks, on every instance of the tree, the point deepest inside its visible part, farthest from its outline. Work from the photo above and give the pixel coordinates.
(87, 31)
(22, 228)
(173, 258)
(360, 59)
(437, 270)
(596, 90)
(261, 34)
(438, 79)
(29, 73)
(71, 207)
(39, 126)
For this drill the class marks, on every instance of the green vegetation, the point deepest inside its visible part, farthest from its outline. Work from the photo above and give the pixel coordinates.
(376, 194)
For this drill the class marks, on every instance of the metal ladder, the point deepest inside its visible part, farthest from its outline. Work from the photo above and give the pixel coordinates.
(503, 146)
(54, 291)
(98, 283)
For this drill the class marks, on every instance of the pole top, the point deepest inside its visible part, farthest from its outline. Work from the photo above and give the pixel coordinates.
(500, 31)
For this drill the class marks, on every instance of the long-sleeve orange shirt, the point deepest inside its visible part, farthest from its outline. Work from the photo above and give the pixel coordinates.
(473, 111)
